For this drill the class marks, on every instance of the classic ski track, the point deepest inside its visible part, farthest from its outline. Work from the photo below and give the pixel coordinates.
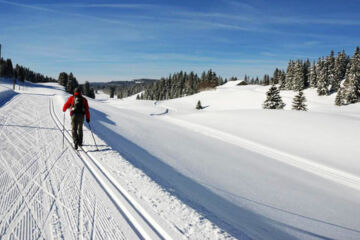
(80, 221)
(30, 202)
(335, 175)
(26, 189)
(110, 187)
(8, 115)
(27, 203)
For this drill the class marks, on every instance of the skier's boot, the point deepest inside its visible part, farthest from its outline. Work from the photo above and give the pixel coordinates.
(76, 145)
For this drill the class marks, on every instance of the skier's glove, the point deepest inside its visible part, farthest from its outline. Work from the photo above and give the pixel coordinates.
(87, 120)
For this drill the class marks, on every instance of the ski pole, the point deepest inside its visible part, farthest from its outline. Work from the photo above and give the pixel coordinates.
(93, 137)
(63, 130)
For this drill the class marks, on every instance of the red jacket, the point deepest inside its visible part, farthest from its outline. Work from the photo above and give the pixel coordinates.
(70, 103)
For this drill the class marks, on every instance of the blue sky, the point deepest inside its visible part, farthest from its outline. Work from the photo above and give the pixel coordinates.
(121, 40)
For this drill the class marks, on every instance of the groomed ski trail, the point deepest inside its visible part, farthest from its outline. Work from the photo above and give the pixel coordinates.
(137, 216)
(43, 185)
(332, 174)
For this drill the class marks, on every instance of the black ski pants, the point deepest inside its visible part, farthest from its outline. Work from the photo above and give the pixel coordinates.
(77, 121)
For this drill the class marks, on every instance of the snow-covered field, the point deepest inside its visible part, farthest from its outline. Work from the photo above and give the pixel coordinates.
(166, 170)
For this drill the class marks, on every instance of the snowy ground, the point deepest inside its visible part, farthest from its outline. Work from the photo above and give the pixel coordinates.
(261, 173)
(53, 192)
(229, 170)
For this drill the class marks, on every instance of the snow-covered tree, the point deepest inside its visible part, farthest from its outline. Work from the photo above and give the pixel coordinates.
(290, 75)
(322, 84)
(339, 99)
(313, 76)
(282, 80)
(273, 99)
(332, 81)
(199, 106)
(306, 70)
(341, 62)
(299, 76)
(352, 91)
(299, 102)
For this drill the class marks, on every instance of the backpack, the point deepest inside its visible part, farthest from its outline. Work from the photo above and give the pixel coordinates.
(78, 106)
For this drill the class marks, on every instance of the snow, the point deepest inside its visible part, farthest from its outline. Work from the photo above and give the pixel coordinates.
(5, 94)
(289, 172)
(231, 170)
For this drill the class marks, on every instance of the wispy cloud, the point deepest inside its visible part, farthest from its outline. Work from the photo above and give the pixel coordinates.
(240, 5)
(111, 5)
(290, 20)
(27, 6)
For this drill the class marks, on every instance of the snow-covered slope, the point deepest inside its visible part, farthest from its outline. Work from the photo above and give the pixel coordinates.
(166, 170)
(50, 191)
(251, 171)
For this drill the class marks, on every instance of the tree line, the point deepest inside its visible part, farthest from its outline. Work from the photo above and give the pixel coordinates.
(326, 75)
(181, 84)
(70, 83)
(21, 73)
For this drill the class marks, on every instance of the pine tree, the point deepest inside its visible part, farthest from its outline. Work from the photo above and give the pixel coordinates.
(273, 99)
(330, 62)
(199, 106)
(313, 76)
(282, 80)
(92, 93)
(299, 102)
(298, 77)
(86, 91)
(341, 62)
(339, 99)
(352, 93)
(276, 77)
(322, 85)
(306, 70)
(112, 92)
(290, 76)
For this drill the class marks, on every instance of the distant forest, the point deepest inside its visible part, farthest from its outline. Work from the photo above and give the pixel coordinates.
(181, 84)
(70, 83)
(326, 75)
(20, 73)
(123, 89)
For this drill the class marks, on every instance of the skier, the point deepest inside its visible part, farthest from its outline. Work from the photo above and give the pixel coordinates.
(78, 107)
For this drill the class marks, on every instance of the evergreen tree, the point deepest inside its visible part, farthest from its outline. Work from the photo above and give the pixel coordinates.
(199, 106)
(306, 73)
(290, 75)
(86, 91)
(322, 85)
(298, 76)
(330, 62)
(282, 80)
(9, 71)
(339, 99)
(341, 62)
(273, 99)
(112, 92)
(266, 80)
(299, 102)
(313, 76)
(352, 93)
(92, 93)
(71, 84)
(63, 78)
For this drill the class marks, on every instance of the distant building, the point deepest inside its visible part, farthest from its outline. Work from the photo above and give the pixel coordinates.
(242, 83)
